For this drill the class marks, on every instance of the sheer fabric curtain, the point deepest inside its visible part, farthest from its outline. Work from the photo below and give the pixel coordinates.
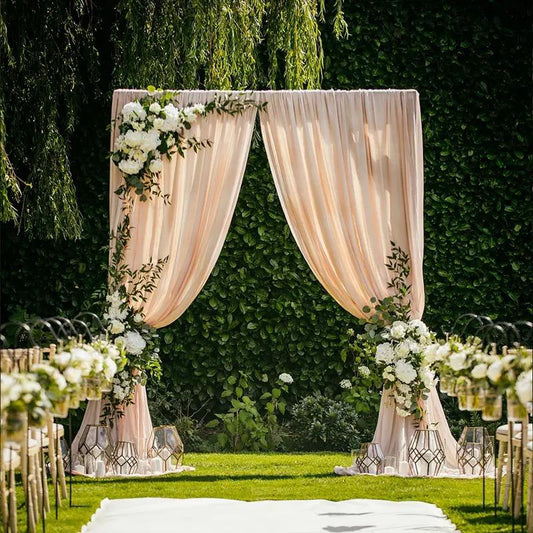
(348, 169)
(203, 189)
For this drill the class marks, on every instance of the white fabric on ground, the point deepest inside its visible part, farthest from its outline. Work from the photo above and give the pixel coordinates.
(205, 515)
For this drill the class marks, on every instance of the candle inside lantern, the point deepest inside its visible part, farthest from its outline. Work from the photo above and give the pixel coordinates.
(157, 465)
(389, 471)
(404, 468)
(100, 469)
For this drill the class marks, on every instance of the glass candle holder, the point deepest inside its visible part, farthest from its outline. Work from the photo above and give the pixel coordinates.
(461, 390)
(164, 442)
(371, 459)
(475, 398)
(16, 426)
(94, 445)
(475, 451)
(516, 412)
(60, 409)
(492, 407)
(94, 388)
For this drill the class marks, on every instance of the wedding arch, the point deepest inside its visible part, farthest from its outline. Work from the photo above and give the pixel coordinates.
(348, 169)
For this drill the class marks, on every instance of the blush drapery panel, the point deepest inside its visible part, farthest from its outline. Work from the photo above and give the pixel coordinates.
(191, 230)
(348, 170)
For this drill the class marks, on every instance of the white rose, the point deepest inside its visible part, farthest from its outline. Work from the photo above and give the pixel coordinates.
(130, 166)
(156, 165)
(62, 359)
(133, 111)
(403, 349)
(159, 123)
(116, 327)
(72, 374)
(494, 372)
(443, 352)
(138, 318)
(199, 109)
(524, 388)
(458, 361)
(479, 371)
(110, 368)
(155, 108)
(397, 331)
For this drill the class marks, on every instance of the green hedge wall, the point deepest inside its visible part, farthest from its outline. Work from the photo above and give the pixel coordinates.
(262, 310)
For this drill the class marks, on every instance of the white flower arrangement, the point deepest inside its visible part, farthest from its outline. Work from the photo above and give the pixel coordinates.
(154, 127)
(405, 370)
(22, 392)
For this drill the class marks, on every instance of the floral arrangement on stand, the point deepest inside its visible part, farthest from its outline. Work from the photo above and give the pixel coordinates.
(76, 372)
(479, 378)
(391, 350)
(151, 129)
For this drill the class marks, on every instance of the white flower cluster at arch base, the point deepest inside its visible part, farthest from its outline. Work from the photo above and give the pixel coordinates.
(127, 329)
(406, 373)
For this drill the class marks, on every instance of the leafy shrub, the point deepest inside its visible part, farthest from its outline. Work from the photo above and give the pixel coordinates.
(319, 423)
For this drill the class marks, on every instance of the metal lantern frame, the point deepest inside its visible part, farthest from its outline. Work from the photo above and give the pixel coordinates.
(124, 458)
(475, 450)
(370, 457)
(164, 442)
(426, 453)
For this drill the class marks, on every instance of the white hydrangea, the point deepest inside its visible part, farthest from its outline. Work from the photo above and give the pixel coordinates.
(134, 343)
(110, 368)
(345, 384)
(10, 390)
(405, 371)
(199, 109)
(155, 108)
(286, 378)
(364, 371)
(384, 353)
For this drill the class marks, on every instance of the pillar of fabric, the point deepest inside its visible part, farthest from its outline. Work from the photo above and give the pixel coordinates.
(348, 169)
(203, 188)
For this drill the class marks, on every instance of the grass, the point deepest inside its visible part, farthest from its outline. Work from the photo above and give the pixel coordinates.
(283, 476)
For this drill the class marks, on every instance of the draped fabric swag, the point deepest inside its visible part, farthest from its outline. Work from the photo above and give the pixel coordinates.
(348, 169)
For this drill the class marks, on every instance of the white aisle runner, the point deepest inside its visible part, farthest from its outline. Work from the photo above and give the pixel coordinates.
(205, 515)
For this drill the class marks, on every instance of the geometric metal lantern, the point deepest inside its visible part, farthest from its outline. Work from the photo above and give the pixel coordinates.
(370, 459)
(124, 458)
(475, 450)
(94, 445)
(426, 452)
(164, 442)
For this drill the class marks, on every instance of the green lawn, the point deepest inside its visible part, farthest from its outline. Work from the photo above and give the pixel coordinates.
(282, 476)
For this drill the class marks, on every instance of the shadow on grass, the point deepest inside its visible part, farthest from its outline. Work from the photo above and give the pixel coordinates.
(202, 479)
(477, 516)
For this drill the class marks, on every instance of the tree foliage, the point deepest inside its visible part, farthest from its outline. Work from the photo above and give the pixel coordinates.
(262, 310)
